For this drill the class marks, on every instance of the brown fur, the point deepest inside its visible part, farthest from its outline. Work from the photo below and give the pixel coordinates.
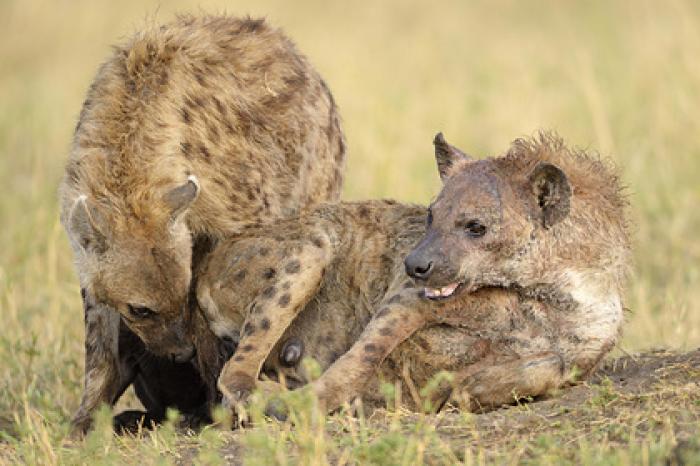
(190, 130)
(537, 307)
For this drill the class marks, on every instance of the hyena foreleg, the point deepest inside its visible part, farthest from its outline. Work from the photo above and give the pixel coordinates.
(267, 318)
(397, 319)
(489, 383)
(105, 381)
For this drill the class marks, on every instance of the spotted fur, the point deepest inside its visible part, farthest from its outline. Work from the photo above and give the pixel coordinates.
(521, 330)
(190, 131)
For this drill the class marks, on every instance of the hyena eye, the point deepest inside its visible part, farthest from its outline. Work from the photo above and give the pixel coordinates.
(140, 312)
(475, 229)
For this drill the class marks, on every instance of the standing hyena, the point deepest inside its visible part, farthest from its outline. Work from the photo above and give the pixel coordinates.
(189, 131)
(518, 278)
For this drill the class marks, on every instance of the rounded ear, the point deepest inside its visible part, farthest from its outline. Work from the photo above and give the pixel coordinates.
(87, 226)
(552, 191)
(179, 199)
(447, 156)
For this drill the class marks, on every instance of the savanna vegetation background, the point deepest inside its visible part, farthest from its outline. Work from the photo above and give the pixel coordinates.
(618, 77)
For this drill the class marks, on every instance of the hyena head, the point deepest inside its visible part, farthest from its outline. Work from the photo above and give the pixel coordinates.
(482, 226)
(140, 265)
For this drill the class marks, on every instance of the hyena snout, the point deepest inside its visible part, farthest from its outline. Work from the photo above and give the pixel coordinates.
(184, 349)
(169, 341)
(184, 354)
(429, 263)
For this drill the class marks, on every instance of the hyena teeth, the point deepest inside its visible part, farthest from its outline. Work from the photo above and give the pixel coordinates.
(444, 292)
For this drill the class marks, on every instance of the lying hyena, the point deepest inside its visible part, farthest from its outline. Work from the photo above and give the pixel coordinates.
(517, 279)
(188, 132)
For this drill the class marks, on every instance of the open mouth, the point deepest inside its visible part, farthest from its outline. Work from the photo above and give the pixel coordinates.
(443, 292)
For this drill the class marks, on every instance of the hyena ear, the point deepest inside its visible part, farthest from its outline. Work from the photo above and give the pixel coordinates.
(87, 226)
(447, 156)
(552, 191)
(179, 199)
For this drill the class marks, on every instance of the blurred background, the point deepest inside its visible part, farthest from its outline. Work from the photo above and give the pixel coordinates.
(618, 77)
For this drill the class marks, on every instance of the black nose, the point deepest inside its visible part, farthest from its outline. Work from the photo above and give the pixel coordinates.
(418, 268)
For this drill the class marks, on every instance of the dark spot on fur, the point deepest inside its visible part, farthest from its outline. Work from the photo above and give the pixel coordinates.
(370, 348)
(200, 78)
(91, 327)
(213, 133)
(337, 176)
(269, 273)
(250, 194)
(284, 300)
(264, 251)
(240, 275)
(363, 211)
(371, 359)
(269, 292)
(408, 284)
(316, 241)
(265, 324)
(186, 118)
(248, 329)
(395, 299)
(286, 285)
(293, 266)
(266, 202)
(205, 152)
(185, 147)
(341, 151)
(238, 358)
(383, 312)
(385, 331)
(229, 127)
(247, 348)
(219, 106)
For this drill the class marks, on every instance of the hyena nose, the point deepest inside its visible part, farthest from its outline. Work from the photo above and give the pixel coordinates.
(184, 355)
(418, 268)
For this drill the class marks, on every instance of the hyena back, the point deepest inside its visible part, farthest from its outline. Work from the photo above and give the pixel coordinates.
(189, 131)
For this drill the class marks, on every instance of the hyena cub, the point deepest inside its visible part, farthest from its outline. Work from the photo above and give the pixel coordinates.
(523, 254)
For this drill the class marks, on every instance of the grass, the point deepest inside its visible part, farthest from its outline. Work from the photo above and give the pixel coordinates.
(618, 77)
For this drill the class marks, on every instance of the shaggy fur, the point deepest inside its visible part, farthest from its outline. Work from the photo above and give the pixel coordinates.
(539, 291)
(189, 131)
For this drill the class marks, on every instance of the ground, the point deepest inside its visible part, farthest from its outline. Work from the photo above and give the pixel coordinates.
(635, 410)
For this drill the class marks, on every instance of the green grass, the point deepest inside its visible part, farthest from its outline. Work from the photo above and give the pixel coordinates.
(622, 78)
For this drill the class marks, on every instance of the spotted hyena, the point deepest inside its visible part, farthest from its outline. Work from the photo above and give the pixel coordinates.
(514, 279)
(189, 131)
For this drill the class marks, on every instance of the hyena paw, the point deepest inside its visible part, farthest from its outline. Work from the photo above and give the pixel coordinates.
(80, 425)
(235, 391)
(234, 398)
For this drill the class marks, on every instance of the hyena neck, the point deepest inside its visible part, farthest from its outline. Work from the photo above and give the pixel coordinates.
(590, 301)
